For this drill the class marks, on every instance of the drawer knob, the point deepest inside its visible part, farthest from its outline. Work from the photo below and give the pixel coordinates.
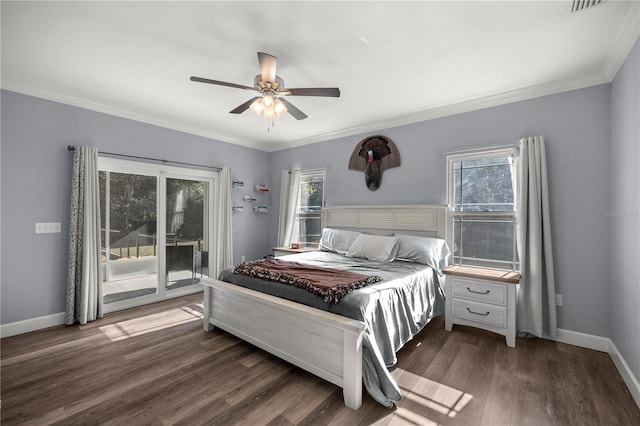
(478, 292)
(477, 313)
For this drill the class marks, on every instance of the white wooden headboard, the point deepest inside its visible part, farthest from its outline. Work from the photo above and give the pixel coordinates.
(416, 219)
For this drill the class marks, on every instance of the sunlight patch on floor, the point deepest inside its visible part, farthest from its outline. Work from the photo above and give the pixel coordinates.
(150, 323)
(409, 417)
(434, 396)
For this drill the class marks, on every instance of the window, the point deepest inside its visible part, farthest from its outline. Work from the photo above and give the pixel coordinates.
(310, 203)
(482, 215)
(156, 230)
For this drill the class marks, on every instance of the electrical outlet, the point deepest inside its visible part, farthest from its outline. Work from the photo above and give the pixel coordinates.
(558, 300)
(242, 259)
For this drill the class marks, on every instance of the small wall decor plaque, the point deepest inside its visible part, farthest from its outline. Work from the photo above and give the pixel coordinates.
(373, 155)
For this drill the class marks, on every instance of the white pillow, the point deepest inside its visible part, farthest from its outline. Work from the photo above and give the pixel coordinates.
(430, 251)
(337, 240)
(374, 247)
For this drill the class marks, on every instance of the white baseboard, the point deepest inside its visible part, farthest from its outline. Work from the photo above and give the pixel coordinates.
(20, 327)
(582, 340)
(626, 373)
(34, 324)
(602, 344)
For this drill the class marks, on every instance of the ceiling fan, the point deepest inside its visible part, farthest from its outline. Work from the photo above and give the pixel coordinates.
(270, 100)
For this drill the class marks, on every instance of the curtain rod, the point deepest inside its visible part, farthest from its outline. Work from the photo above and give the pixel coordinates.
(311, 171)
(479, 148)
(73, 148)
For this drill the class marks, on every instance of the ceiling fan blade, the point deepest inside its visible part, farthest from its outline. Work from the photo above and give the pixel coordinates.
(220, 83)
(245, 106)
(267, 67)
(332, 92)
(293, 110)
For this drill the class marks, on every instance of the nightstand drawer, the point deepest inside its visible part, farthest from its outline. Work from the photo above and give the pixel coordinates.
(480, 312)
(479, 291)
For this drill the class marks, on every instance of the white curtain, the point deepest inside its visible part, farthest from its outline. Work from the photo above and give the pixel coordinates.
(223, 243)
(84, 274)
(536, 296)
(289, 193)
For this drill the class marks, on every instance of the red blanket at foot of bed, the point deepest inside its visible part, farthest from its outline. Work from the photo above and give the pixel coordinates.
(333, 284)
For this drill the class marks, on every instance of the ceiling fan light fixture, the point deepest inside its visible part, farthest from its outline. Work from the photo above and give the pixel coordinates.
(256, 106)
(267, 101)
(269, 114)
(270, 108)
(279, 107)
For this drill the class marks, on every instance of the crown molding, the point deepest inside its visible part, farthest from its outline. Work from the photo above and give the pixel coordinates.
(51, 95)
(627, 36)
(493, 100)
(489, 101)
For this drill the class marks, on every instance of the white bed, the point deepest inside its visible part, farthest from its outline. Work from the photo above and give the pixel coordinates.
(325, 344)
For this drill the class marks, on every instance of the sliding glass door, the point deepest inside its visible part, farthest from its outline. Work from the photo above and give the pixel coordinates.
(187, 226)
(129, 205)
(144, 262)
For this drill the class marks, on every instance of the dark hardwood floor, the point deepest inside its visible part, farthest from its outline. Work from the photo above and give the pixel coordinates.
(155, 365)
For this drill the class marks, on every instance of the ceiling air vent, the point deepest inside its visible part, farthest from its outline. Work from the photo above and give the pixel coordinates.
(579, 5)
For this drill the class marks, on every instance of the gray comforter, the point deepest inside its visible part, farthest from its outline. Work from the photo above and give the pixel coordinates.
(394, 310)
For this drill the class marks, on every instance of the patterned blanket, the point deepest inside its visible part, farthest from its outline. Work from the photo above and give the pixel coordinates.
(333, 284)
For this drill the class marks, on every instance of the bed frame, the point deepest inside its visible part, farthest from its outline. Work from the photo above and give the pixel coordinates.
(325, 344)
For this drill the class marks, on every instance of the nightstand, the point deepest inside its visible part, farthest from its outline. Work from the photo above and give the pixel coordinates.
(482, 298)
(282, 251)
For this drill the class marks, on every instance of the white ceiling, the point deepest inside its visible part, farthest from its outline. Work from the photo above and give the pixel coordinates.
(394, 62)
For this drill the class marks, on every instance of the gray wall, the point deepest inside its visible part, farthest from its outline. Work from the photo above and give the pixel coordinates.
(576, 127)
(623, 212)
(36, 186)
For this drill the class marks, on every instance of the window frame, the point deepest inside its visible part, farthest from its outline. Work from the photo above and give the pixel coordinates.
(452, 214)
(307, 174)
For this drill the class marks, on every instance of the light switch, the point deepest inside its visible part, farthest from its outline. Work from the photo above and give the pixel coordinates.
(48, 228)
